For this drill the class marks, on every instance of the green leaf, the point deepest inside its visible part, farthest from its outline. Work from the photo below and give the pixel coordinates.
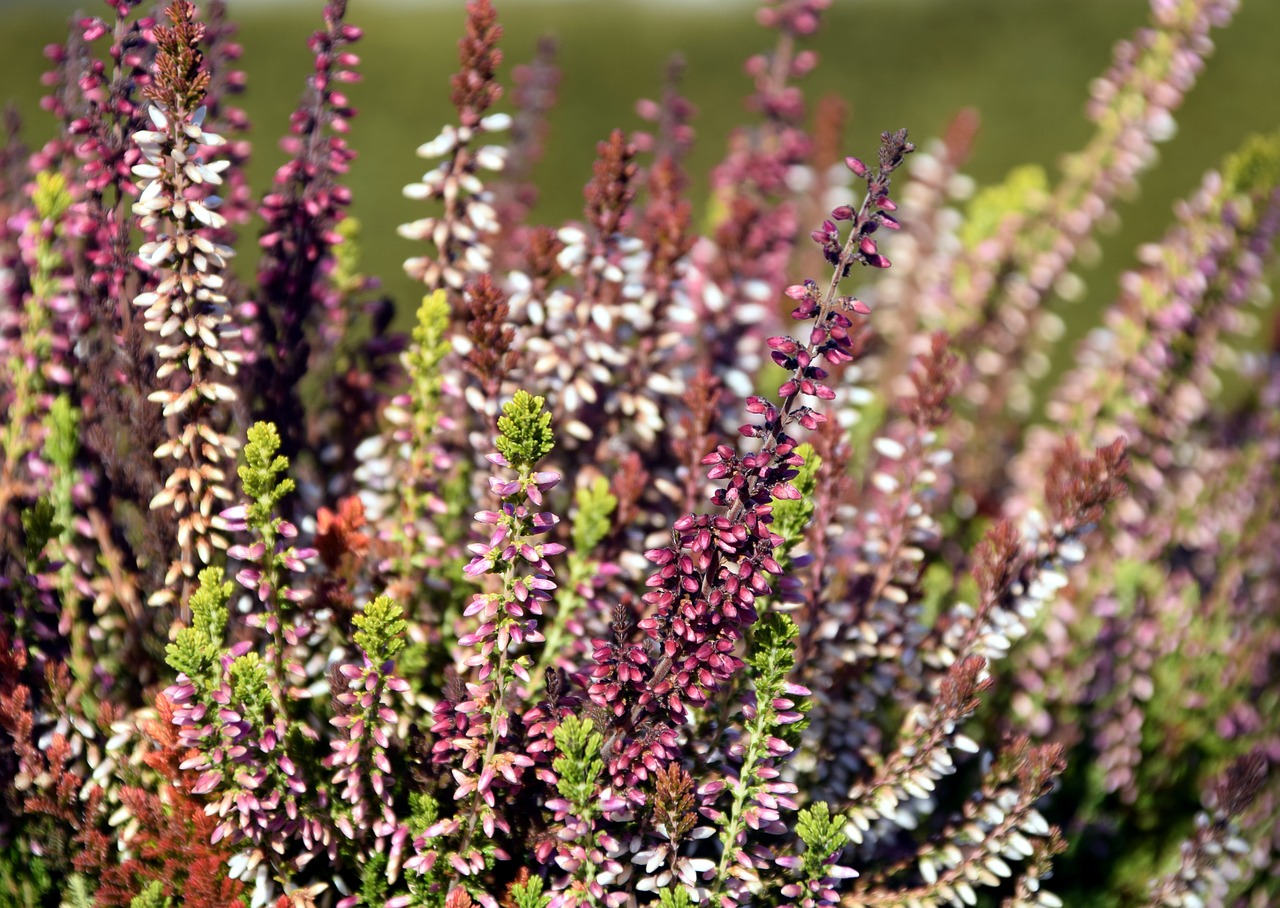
(261, 472)
(773, 652)
(79, 892)
(249, 685)
(423, 811)
(346, 274)
(373, 880)
(529, 894)
(1255, 168)
(1025, 191)
(151, 897)
(24, 877)
(62, 442)
(772, 659)
(525, 428)
(674, 897)
(380, 630)
(430, 347)
(51, 197)
(39, 525)
(591, 524)
(579, 765)
(196, 650)
(823, 835)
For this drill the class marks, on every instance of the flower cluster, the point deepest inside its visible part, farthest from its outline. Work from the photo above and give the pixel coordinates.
(186, 307)
(885, 641)
(302, 214)
(460, 233)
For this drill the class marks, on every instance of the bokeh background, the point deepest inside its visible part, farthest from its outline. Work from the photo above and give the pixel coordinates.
(1025, 65)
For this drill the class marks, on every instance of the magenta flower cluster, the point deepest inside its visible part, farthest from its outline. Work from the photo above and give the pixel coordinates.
(673, 557)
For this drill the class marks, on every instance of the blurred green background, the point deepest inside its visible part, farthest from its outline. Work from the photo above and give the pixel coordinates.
(1024, 64)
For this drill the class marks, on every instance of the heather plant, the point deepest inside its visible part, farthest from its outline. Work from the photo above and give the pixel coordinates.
(673, 557)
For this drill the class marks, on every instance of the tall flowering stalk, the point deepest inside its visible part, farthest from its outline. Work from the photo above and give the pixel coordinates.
(242, 747)
(295, 309)
(234, 708)
(34, 366)
(742, 272)
(270, 555)
(704, 593)
(481, 727)
(186, 308)
(773, 716)
(367, 719)
(461, 232)
(1133, 105)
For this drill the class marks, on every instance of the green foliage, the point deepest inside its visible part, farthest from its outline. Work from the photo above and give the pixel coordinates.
(261, 472)
(430, 346)
(196, 650)
(24, 879)
(773, 652)
(529, 894)
(423, 811)
(1253, 172)
(428, 890)
(525, 428)
(39, 525)
(373, 880)
(63, 440)
(151, 897)
(823, 835)
(579, 765)
(674, 897)
(1255, 167)
(596, 505)
(772, 659)
(79, 892)
(790, 515)
(346, 276)
(380, 627)
(1024, 192)
(51, 197)
(249, 687)
(61, 445)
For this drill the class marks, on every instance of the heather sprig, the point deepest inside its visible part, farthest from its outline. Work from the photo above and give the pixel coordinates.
(999, 824)
(462, 232)
(271, 554)
(302, 212)
(196, 650)
(584, 577)
(240, 742)
(533, 95)
(1133, 105)
(410, 483)
(1210, 858)
(35, 366)
(579, 773)
(824, 839)
(704, 593)
(61, 448)
(477, 733)
(186, 300)
(773, 716)
(366, 719)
